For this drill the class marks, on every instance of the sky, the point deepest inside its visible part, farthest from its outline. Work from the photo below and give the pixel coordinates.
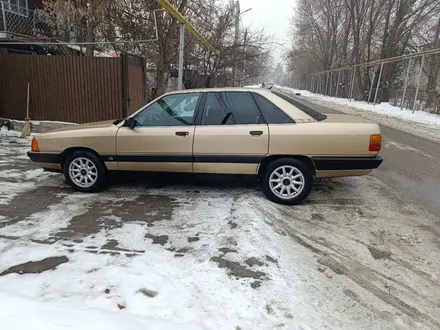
(274, 15)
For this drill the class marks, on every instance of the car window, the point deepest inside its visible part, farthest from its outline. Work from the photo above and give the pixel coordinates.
(312, 113)
(229, 108)
(271, 113)
(170, 110)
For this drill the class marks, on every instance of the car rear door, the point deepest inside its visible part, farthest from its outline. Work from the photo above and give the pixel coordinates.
(162, 139)
(231, 137)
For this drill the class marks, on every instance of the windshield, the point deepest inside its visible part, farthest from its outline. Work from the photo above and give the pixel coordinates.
(312, 113)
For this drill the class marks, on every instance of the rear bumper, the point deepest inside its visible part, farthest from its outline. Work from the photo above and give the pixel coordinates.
(346, 163)
(41, 157)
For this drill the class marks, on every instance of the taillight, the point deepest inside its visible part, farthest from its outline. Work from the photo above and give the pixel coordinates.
(375, 142)
(34, 145)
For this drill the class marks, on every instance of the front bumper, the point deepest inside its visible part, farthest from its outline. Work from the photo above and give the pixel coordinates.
(42, 157)
(346, 163)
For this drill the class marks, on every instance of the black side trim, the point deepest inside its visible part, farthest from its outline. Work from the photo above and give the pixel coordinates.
(148, 158)
(228, 159)
(347, 163)
(40, 157)
(183, 158)
(53, 170)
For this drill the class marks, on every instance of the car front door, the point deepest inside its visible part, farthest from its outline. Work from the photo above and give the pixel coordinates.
(162, 136)
(231, 137)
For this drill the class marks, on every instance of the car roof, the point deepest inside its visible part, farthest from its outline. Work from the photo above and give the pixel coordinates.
(294, 112)
(217, 89)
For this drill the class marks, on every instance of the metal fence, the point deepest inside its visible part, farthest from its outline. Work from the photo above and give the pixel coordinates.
(22, 21)
(409, 81)
(71, 88)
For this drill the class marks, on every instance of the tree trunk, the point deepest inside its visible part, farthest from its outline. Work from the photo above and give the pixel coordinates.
(434, 71)
(90, 49)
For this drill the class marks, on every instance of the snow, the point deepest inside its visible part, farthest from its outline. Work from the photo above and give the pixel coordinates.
(5, 132)
(192, 291)
(58, 316)
(97, 53)
(253, 86)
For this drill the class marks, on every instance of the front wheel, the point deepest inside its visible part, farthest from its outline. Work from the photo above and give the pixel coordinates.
(287, 181)
(84, 171)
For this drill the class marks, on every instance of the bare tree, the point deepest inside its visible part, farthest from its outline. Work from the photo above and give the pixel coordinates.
(335, 33)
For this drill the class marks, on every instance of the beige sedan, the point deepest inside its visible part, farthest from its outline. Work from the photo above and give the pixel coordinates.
(219, 131)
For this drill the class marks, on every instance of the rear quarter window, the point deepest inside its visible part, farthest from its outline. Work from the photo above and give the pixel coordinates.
(271, 113)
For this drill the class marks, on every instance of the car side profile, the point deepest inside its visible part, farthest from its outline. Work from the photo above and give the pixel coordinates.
(218, 131)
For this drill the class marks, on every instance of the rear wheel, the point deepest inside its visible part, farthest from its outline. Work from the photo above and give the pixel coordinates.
(84, 171)
(287, 181)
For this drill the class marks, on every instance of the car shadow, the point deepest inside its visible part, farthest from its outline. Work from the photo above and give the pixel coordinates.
(162, 180)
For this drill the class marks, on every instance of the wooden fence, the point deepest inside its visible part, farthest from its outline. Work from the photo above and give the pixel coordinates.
(71, 88)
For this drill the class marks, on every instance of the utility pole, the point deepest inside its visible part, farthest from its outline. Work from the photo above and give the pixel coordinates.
(181, 50)
(237, 35)
(244, 57)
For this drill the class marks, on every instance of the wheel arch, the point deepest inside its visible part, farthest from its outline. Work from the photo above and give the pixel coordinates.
(269, 159)
(68, 151)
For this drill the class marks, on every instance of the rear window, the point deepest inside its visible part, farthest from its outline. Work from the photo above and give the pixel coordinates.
(312, 113)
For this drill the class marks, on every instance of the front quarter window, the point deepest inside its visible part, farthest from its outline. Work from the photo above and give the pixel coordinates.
(170, 110)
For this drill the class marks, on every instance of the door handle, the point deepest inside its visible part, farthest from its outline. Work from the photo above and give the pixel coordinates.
(256, 133)
(182, 133)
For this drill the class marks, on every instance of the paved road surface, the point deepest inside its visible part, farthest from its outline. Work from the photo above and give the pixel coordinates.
(411, 164)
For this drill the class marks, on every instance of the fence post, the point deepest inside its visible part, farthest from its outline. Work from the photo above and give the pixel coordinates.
(5, 25)
(378, 83)
(34, 14)
(315, 83)
(406, 84)
(371, 85)
(330, 85)
(418, 83)
(144, 80)
(318, 87)
(327, 76)
(352, 84)
(124, 67)
(337, 84)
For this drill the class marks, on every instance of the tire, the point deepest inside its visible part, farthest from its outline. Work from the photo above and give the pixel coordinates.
(90, 172)
(288, 193)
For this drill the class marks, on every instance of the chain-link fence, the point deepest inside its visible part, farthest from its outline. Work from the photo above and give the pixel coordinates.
(411, 81)
(22, 21)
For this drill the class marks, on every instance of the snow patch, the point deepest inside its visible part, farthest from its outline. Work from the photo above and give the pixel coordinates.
(61, 315)
(5, 132)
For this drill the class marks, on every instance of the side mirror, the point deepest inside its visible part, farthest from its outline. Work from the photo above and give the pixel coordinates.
(130, 122)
